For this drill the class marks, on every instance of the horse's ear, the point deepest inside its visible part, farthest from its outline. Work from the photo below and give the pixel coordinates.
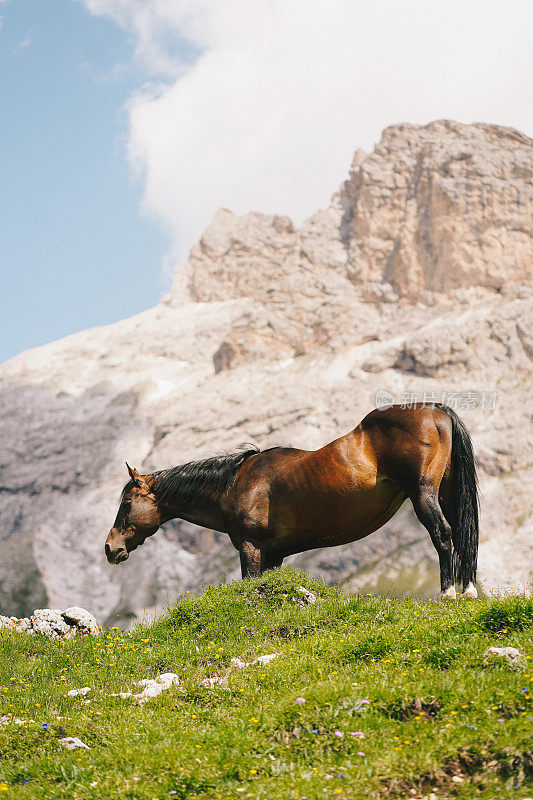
(134, 475)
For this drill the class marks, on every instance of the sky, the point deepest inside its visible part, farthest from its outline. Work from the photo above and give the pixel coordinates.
(125, 125)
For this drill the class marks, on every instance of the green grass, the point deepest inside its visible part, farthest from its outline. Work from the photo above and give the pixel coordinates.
(408, 675)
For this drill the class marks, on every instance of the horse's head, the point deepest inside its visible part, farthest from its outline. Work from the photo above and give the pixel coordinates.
(138, 518)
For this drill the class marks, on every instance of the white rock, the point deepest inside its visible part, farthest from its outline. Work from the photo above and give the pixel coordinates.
(236, 663)
(50, 623)
(72, 742)
(75, 692)
(15, 624)
(509, 654)
(307, 596)
(21, 625)
(214, 681)
(153, 687)
(263, 660)
(54, 624)
(84, 622)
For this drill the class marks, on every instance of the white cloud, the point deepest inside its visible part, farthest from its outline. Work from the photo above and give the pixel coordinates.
(281, 92)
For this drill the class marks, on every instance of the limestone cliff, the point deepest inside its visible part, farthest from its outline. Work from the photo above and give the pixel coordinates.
(416, 279)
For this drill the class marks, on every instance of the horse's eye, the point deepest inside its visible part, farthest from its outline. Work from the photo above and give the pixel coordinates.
(127, 504)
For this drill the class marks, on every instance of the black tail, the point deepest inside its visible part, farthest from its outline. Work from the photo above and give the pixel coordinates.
(464, 501)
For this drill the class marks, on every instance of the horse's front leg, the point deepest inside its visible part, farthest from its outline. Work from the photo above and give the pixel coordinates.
(256, 559)
(253, 560)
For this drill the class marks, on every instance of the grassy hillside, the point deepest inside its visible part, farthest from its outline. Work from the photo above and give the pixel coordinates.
(399, 701)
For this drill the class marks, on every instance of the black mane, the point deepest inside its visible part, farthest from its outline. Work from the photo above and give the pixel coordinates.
(212, 476)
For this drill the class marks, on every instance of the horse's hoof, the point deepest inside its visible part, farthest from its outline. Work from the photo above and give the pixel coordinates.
(449, 594)
(470, 591)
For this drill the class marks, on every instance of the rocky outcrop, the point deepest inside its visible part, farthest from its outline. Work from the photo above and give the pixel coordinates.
(441, 207)
(54, 624)
(414, 283)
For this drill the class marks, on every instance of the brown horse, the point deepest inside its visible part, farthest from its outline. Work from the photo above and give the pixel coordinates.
(276, 502)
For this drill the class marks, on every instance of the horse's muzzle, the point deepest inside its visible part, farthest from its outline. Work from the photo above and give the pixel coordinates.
(116, 556)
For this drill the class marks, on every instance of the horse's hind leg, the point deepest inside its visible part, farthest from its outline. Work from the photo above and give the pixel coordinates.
(427, 509)
(447, 505)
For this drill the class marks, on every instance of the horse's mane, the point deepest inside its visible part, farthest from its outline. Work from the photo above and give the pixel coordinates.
(212, 476)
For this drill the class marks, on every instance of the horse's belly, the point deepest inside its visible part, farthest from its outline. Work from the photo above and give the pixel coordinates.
(327, 519)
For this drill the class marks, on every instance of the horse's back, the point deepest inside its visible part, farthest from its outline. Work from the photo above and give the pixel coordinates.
(384, 441)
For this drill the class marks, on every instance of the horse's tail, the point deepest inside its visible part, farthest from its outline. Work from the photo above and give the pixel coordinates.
(464, 501)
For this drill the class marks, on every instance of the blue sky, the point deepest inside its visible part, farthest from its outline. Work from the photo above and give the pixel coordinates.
(255, 105)
(75, 251)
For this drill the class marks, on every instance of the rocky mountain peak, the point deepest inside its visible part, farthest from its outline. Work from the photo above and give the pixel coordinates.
(434, 208)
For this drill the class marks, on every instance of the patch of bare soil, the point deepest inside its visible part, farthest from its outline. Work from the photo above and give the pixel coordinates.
(469, 765)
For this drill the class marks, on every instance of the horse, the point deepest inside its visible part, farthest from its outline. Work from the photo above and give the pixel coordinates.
(280, 501)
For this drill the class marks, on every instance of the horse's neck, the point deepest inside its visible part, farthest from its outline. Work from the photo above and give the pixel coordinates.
(205, 511)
